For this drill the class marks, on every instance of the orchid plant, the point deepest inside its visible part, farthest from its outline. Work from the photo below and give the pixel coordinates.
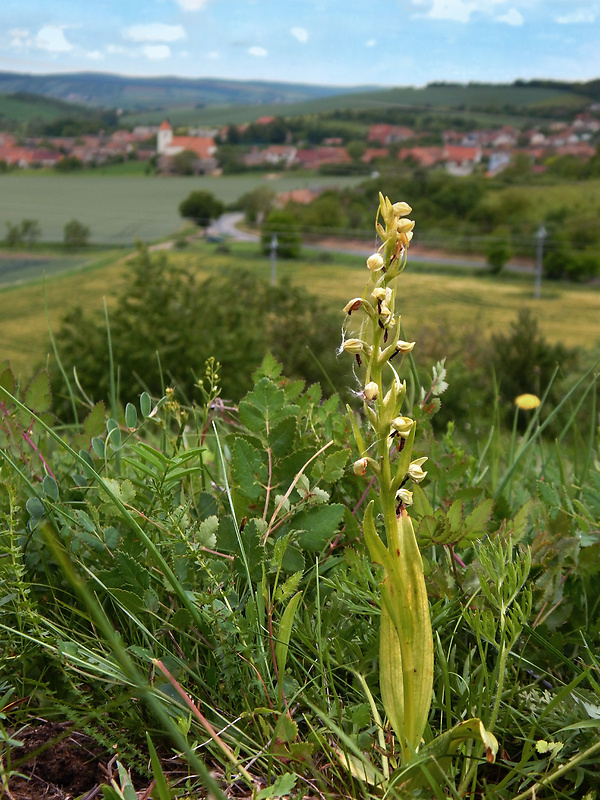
(406, 640)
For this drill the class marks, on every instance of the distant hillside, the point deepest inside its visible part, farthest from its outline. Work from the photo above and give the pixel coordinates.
(118, 91)
(532, 100)
(22, 107)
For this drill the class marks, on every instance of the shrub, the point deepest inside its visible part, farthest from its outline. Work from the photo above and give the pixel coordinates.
(165, 320)
(283, 225)
(75, 235)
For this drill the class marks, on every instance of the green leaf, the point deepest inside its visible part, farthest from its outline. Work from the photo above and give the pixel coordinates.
(282, 786)
(249, 469)
(38, 396)
(50, 487)
(130, 416)
(145, 404)
(319, 525)
(98, 447)
(281, 437)
(7, 378)
(476, 523)
(454, 515)
(265, 407)
(35, 508)
(286, 730)
(335, 466)
(284, 634)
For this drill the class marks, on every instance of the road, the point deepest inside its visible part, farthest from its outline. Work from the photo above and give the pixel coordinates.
(227, 227)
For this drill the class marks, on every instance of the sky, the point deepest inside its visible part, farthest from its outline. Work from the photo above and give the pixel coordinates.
(332, 42)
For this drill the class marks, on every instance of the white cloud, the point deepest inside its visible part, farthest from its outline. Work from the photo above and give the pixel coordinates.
(191, 5)
(370, 43)
(156, 52)
(257, 51)
(20, 38)
(456, 10)
(154, 32)
(577, 17)
(512, 17)
(115, 49)
(52, 39)
(96, 55)
(301, 34)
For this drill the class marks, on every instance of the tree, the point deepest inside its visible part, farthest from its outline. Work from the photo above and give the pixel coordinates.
(76, 235)
(68, 164)
(498, 252)
(30, 231)
(13, 234)
(201, 207)
(184, 163)
(283, 225)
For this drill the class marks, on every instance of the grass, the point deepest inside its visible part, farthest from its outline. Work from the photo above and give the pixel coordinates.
(119, 209)
(461, 297)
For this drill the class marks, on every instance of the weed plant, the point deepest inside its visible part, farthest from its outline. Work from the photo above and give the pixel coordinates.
(189, 583)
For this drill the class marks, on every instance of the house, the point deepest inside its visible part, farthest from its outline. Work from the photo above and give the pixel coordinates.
(424, 156)
(389, 134)
(460, 160)
(168, 145)
(302, 196)
(372, 153)
(312, 159)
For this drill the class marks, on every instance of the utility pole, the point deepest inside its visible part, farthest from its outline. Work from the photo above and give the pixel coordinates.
(539, 260)
(274, 259)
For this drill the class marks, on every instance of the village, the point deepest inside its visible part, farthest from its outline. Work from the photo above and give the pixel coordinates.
(487, 151)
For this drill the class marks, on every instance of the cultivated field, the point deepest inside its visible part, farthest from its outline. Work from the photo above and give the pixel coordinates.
(119, 210)
(465, 300)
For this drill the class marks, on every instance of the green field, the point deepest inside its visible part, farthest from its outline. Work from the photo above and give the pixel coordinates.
(458, 298)
(119, 210)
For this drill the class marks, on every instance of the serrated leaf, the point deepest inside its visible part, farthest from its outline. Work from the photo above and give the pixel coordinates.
(207, 530)
(421, 505)
(287, 589)
(111, 537)
(7, 378)
(151, 601)
(477, 521)
(335, 464)
(265, 407)
(38, 396)
(249, 469)
(281, 437)
(320, 525)
(286, 730)
(282, 786)
(548, 494)
(124, 490)
(455, 517)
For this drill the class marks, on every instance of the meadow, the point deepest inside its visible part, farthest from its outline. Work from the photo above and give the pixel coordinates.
(289, 598)
(460, 297)
(120, 209)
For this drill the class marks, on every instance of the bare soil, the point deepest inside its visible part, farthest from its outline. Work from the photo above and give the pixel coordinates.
(56, 763)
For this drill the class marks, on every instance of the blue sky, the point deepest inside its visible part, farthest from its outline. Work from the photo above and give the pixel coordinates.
(341, 42)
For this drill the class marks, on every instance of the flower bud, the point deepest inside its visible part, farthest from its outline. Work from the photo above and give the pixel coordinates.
(375, 262)
(371, 391)
(360, 467)
(382, 294)
(401, 209)
(402, 426)
(527, 401)
(404, 347)
(405, 225)
(405, 497)
(353, 346)
(415, 471)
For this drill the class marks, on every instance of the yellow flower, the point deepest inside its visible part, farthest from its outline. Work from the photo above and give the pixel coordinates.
(527, 401)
